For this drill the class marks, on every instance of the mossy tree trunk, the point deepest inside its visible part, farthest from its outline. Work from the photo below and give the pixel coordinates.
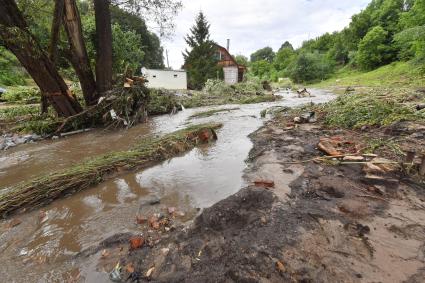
(104, 45)
(16, 37)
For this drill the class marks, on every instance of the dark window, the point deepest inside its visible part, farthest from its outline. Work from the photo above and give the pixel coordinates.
(175, 75)
(154, 76)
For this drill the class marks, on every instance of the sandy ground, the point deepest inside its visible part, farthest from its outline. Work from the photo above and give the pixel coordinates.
(317, 223)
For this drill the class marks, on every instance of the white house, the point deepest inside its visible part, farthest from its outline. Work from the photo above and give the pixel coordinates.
(168, 79)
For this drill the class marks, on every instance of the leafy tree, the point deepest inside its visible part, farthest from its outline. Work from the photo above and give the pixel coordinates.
(415, 16)
(265, 53)
(149, 43)
(242, 60)
(311, 67)
(287, 45)
(411, 43)
(283, 58)
(261, 69)
(373, 49)
(200, 61)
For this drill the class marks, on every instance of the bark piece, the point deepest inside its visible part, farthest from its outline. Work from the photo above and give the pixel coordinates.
(327, 147)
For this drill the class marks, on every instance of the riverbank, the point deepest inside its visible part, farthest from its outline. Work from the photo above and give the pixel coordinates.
(304, 217)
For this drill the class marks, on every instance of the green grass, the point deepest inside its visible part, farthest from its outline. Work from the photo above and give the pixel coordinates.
(14, 112)
(398, 74)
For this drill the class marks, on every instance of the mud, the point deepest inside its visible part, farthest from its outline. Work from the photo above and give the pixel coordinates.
(320, 223)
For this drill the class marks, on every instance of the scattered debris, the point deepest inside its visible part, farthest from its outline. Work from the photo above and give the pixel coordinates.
(115, 274)
(150, 271)
(309, 117)
(141, 219)
(136, 242)
(303, 93)
(280, 267)
(264, 184)
(326, 145)
(104, 254)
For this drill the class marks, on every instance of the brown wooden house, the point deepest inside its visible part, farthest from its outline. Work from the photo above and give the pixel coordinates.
(233, 72)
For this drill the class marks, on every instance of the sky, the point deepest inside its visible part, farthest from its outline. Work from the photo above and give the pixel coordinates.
(254, 24)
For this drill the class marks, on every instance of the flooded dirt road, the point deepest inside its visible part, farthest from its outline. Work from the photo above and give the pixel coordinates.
(43, 246)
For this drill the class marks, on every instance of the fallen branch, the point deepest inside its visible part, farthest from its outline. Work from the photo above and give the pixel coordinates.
(45, 189)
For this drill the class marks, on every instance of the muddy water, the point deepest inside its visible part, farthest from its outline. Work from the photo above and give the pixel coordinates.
(42, 247)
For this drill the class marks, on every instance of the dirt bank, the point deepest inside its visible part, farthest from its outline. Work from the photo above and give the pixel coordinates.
(317, 222)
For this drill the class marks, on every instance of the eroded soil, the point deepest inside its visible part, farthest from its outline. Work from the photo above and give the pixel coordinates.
(319, 223)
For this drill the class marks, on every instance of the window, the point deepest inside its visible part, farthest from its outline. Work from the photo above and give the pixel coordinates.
(175, 75)
(154, 76)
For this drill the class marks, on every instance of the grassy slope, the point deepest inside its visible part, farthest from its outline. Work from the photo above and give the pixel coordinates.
(399, 74)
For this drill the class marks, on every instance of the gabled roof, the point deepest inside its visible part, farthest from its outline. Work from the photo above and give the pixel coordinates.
(230, 56)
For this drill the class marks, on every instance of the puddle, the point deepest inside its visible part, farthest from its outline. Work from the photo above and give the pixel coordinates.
(42, 247)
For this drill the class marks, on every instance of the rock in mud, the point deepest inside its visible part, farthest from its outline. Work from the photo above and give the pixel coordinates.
(151, 200)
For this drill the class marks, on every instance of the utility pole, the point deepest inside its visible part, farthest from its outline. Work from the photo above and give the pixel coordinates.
(166, 54)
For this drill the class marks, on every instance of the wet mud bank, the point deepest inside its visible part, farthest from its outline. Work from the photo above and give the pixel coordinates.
(298, 221)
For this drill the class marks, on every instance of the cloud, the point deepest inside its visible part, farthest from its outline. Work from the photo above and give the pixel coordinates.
(251, 25)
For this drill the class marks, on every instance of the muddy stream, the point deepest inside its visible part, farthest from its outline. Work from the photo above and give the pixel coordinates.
(42, 247)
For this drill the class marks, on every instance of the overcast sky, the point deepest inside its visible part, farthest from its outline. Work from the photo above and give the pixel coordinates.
(253, 24)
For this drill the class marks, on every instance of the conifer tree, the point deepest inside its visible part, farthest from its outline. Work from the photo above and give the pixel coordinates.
(201, 60)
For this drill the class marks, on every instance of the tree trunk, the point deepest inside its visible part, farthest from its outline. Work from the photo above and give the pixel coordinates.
(53, 46)
(55, 32)
(78, 52)
(16, 37)
(104, 45)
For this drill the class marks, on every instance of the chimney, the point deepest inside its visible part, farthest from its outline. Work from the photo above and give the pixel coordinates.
(228, 45)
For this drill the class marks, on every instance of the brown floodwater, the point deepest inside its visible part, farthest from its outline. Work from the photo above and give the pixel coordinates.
(43, 247)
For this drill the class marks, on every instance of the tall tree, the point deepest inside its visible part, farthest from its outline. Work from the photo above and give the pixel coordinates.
(16, 36)
(200, 61)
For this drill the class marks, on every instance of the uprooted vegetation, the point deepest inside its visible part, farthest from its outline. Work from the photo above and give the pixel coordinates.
(216, 92)
(374, 108)
(44, 189)
(211, 112)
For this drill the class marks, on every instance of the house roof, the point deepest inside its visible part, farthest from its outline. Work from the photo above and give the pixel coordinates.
(230, 56)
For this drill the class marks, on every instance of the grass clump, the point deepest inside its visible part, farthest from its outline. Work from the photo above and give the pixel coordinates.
(45, 189)
(211, 112)
(368, 109)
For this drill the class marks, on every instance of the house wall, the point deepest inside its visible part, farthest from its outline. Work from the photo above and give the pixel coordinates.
(168, 79)
(230, 75)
